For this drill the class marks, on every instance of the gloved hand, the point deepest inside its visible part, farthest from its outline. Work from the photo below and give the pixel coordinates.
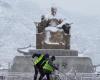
(57, 68)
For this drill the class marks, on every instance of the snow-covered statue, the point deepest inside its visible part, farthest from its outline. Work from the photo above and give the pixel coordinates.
(65, 26)
(42, 17)
(52, 32)
(53, 35)
(53, 11)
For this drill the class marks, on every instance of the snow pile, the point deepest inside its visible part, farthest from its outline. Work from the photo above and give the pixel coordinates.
(17, 28)
(48, 35)
(26, 49)
(60, 25)
(49, 16)
(48, 31)
(48, 42)
(52, 29)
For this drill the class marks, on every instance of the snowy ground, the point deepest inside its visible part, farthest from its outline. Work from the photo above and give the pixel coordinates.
(18, 30)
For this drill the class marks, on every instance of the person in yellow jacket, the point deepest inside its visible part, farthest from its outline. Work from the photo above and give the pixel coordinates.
(47, 68)
(38, 62)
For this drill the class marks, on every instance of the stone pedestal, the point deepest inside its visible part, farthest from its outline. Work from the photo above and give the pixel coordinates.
(64, 63)
(39, 40)
(62, 39)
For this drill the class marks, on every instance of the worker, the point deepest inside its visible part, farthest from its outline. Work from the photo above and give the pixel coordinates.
(47, 68)
(38, 62)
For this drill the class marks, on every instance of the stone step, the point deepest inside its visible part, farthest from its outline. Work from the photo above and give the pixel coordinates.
(55, 52)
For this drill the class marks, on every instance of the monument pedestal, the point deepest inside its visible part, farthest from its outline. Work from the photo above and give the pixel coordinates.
(64, 63)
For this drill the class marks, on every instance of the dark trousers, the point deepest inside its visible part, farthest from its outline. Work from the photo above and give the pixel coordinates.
(36, 72)
(42, 74)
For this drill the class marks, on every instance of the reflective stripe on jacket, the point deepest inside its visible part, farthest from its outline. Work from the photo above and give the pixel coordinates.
(38, 59)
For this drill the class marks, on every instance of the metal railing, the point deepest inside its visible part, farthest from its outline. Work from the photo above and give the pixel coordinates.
(60, 76)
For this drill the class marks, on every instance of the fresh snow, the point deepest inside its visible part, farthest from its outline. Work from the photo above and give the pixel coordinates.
(48, 42)
(26, 49)
(48, 35)
(52, 29)
(17, 28)
(60, 25)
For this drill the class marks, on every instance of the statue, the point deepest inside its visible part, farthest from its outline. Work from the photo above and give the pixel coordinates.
(53, 35)
(53, 31)
(53, 11)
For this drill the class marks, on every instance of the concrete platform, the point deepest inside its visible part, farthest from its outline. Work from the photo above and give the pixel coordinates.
(65, 64)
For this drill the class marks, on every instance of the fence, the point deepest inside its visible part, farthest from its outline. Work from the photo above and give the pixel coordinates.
(59, 76)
